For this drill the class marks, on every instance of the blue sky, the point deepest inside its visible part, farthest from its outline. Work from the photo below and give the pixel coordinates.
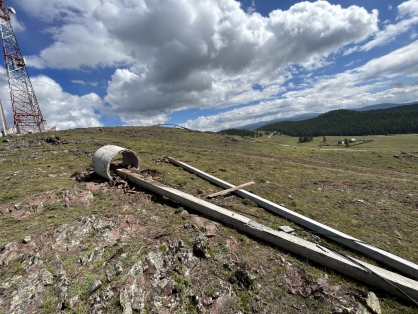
(212, 64)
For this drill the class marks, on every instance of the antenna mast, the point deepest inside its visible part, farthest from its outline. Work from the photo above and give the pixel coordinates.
(26, 112)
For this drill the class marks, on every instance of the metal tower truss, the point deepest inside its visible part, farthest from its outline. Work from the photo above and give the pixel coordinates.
(26, 112)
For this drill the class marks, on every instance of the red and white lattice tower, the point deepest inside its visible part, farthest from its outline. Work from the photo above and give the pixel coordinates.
(26, 112)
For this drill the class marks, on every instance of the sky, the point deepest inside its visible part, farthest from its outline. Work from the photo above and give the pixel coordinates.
(212, 64)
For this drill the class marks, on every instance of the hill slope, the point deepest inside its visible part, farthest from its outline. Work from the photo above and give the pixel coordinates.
(87, 246)
(343, 122)
(306, 116)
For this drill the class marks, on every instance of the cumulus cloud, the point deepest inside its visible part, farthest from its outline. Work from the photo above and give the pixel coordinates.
(408, 8)
(409, 12)
(58, 108)
(63, 109)
(372, 83)
(179, 54)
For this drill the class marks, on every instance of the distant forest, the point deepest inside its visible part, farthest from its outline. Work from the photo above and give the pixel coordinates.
(342, 122)
(241, 132)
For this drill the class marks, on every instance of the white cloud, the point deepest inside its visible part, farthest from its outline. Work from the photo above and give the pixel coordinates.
(78, 82)
(18, 26)
(63, 109)
(350, 50)
(80, 45)
(251, 9)
(407, 10)
(369, 84)
(209, 54)
(58, 108)
(171, 55)
(409, 7)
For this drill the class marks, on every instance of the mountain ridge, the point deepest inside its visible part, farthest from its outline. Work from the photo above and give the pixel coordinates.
(306, 116)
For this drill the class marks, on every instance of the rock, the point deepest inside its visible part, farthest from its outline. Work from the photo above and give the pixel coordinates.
(373, 303)
(200, 247)
(223, 302)
(47, 278)
(28, 295)
(26, 239)
(361, 309)
(125, 301)
(244, 277)
(211, 229)
(231, 243)
(107, 294)
(61, 289)
(118, 268)
(94, 286)
(96, 305)
(73, 302)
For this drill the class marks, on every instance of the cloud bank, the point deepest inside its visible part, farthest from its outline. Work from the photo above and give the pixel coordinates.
(172, 55)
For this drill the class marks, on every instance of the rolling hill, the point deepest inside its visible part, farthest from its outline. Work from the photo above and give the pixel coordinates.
(394, 120)
(306, 116)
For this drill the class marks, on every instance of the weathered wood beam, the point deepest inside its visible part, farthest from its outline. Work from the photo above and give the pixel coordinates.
(402, 265)
(378, 277)
(227, 191)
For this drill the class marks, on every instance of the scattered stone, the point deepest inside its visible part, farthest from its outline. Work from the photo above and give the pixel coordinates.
(286, 229)
(290, 197)
(47, 278)
(373, 303)
(231, 243)
(245, 277)
(118, 268)
(28, 295)
(223, 302)
(281, 259)
(61, 288)
(94, 286)
(26, 239)
(55, 140)
(211, 229)
(96, 305)
(125, 301)
(200, 247)
(73, 302)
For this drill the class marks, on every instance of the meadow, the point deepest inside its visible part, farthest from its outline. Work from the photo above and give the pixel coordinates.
(369, 191)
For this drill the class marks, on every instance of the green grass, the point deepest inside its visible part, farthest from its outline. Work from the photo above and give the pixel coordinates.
(325, 185)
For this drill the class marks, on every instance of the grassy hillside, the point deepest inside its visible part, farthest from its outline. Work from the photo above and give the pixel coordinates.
(90, 230)
(398, 120)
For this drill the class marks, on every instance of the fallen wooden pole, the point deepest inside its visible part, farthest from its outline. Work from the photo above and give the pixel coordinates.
(230, 190)
(402, 265)
(378, 277)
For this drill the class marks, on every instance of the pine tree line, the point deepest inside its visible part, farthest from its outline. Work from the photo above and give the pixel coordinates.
(348, 123)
